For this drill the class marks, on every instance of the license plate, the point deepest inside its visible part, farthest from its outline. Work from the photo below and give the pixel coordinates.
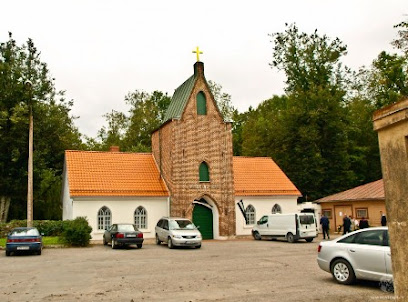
(131, 236)
(189, 242)
(23, 248)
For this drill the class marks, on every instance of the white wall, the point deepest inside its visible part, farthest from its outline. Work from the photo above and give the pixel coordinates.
(66, 199)
(122, 211)
(263, 206)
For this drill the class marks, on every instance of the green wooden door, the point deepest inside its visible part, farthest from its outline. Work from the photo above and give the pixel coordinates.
(202, 217)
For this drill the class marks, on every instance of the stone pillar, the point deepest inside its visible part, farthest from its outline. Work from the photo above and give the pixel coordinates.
(391, 123)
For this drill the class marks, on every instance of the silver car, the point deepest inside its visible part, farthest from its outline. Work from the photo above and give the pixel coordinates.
(177, 232)
(363, 254)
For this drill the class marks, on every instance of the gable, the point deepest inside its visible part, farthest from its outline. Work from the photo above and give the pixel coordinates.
(92, 173)
(186, 95)
(260, 176)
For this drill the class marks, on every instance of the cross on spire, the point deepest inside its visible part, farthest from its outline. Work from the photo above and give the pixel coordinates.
(198, 52)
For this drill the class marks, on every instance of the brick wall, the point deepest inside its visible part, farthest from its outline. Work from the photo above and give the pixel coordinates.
(179, 148)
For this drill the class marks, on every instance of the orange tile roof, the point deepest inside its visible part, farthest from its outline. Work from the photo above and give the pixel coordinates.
(261, 176)
(371, 191)
(93, 173)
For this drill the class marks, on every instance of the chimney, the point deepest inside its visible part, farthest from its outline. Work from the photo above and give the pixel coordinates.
(114, 149)
(199, 69)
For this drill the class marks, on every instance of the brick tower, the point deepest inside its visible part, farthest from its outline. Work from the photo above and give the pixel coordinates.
(193, 150)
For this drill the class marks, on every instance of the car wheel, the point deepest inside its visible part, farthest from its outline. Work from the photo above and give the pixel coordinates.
(198, 246)
(8, 253)
(39, 252)
(309, 239)
(139, 245)
(343, 272)
(104, 241)
(290, 237)
(170, 243)
(157, 240)
(113, 244)
(257, 236)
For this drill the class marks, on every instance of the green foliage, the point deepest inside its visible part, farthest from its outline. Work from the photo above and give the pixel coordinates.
(46, 227)
(76, 232)
(223, 101)
(402, 41)
(305, 132)
(54, 130)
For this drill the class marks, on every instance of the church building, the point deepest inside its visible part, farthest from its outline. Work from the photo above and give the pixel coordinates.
(190, 173)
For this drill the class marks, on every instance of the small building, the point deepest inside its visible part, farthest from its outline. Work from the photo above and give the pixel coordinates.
(366, 201)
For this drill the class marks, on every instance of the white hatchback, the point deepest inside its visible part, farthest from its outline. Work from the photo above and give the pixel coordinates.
(363, 254)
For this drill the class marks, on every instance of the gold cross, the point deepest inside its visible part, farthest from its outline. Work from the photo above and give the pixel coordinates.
(198, 52)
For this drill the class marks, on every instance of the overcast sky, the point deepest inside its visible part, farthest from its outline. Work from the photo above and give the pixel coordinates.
(98, 51)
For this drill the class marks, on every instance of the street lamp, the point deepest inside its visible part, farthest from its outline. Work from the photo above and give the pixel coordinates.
(29, 86)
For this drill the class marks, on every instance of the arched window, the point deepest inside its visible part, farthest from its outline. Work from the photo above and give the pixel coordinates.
(201, 104)
(276, 209)
(250, 214)
(204, 172)
(104, 218)
(141, 218)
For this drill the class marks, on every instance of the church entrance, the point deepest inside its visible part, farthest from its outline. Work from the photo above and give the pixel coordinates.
(203, 218)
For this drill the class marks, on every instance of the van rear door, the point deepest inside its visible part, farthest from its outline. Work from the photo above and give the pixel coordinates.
(307, 226)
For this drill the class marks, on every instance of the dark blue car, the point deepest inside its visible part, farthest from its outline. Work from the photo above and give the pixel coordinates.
(24, 239)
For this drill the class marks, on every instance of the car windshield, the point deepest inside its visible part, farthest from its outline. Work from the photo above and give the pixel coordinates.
(126, 228)
(25, 232)
(181, 225)
(306, 219)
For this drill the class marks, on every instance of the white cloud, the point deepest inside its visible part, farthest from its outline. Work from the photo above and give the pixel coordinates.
(100, 50)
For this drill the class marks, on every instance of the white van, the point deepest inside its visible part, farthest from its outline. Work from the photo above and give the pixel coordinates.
(293, 227)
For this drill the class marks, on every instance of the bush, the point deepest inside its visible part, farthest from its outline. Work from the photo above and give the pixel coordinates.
(76, 232)
(49, 227)
(46, 227)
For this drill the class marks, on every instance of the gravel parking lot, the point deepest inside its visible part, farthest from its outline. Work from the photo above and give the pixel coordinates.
(233, 270)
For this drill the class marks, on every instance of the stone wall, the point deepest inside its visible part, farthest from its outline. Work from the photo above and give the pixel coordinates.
(391, 123)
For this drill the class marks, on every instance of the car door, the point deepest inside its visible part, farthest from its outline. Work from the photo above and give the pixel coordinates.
(367, 255)
(262, 225)
(165, 230)
(112, 232)
(388, 263)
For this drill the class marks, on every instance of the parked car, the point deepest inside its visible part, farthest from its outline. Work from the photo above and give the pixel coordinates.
(363, 254)
(177, 232)
(25, 239)
(123, 234)
(292, 227)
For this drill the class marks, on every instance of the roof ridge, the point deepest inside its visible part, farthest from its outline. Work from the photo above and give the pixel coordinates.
(109, 152)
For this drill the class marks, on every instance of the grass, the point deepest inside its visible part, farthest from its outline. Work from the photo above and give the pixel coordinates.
(47, 240)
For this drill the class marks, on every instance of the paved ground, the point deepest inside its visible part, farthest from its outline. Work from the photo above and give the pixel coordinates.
(238, 270)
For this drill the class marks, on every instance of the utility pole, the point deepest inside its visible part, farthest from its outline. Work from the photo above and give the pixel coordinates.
(29, 85)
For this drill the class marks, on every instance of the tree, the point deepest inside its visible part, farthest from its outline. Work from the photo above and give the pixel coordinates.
(54, 132)
(402, 42)
(223, 101)
(314, 140)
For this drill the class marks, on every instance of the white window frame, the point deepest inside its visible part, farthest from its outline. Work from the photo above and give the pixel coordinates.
(140, 217)
(104, 218)
(276, 209)
(250, 214)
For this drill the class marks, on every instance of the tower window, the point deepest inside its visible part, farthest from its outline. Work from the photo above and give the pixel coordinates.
(204, 172)
(201, 104)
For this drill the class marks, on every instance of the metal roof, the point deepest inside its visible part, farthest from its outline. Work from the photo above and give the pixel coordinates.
(179, 99)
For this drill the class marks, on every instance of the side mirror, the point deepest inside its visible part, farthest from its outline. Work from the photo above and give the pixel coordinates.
(258, 223)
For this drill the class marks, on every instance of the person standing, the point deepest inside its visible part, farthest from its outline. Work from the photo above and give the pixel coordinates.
(363, 223)
(383, 219)
(324, 221)
(346, 224)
